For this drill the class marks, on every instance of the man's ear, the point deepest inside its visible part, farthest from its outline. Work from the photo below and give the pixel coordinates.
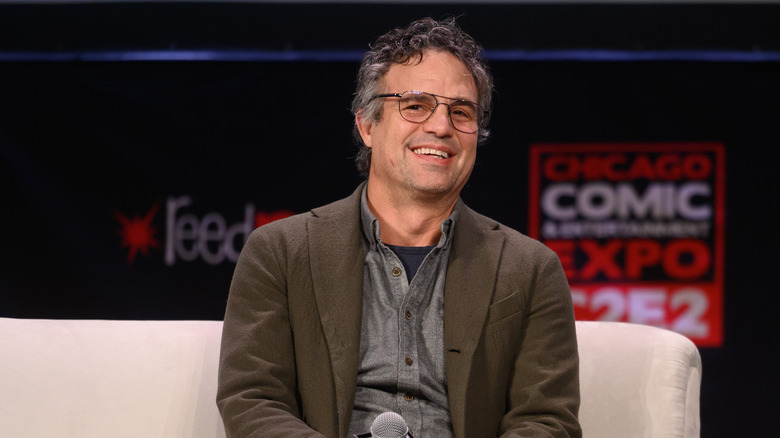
(365, 126)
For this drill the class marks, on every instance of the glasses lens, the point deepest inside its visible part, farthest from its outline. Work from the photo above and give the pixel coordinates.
(417, 107)
(464, 115)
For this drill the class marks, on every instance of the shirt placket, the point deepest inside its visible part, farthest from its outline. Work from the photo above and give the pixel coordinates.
(407, 370)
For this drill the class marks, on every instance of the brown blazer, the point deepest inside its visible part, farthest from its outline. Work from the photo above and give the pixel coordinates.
(290, 343)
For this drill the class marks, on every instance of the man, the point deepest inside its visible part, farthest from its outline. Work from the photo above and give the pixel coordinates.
(400, 298)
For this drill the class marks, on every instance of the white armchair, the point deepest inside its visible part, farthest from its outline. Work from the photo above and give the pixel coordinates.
(150, 379)
(637, 381)
(101, 379)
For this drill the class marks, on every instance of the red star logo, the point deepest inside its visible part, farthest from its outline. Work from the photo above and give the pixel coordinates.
(138, 233)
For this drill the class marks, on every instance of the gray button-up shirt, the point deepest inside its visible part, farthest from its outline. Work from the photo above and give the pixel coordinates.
(402, 358)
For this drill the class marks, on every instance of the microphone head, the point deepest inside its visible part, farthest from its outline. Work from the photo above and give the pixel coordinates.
(389, 425)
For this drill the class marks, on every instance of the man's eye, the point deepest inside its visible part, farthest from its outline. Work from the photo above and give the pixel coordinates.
(416, 107)
(462, 113)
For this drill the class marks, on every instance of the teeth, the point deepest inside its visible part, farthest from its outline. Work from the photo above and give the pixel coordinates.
(434, 152)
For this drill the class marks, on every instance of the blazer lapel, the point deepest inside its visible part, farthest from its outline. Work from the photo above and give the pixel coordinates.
(337, 258)
(471, 273)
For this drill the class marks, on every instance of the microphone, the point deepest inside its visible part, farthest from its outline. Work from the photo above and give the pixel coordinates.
(388, 425)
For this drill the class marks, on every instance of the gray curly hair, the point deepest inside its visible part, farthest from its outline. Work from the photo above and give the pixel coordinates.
(399, 46)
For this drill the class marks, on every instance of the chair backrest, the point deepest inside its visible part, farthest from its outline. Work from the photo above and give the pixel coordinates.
(637, 381)
(98, 379)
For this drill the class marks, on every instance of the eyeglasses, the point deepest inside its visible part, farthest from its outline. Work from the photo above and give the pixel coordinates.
(418, 106)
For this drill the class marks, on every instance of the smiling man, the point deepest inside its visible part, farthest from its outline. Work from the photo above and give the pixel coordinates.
(420, 161)
(400, 298)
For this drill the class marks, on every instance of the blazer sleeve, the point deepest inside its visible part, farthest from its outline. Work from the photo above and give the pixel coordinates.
(257, 383)
(543, 395)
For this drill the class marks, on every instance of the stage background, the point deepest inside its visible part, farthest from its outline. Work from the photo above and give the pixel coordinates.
(140, 142)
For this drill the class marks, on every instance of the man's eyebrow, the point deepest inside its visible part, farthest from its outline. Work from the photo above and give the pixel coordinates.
(465, 99)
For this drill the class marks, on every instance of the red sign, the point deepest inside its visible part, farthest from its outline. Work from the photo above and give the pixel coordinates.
(639, 230)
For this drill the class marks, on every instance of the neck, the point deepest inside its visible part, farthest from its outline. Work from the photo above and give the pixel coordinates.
(409, 221)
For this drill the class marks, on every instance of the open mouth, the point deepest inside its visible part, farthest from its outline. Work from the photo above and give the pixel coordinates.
(431, 152)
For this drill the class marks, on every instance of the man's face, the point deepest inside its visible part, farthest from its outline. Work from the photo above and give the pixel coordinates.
(430, 158)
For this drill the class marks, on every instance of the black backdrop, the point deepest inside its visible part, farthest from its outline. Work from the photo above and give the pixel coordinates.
(111, 111)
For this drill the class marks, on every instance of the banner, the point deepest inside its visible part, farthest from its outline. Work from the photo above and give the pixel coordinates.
(639, 229)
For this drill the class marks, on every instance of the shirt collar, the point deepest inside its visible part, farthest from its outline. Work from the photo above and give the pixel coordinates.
(371, 223)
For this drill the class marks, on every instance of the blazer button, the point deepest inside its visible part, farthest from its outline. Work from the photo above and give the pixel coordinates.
(408, 397)
(409, 361)
(396, 271)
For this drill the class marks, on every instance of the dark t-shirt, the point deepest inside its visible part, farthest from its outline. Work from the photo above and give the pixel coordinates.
(411, 257)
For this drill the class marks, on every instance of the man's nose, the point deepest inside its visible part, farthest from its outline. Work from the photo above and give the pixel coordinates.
(440, 121)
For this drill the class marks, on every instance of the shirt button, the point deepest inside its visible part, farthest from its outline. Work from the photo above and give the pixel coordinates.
(409, 361)
(408, 315)
(408, 397)
(396, 271)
